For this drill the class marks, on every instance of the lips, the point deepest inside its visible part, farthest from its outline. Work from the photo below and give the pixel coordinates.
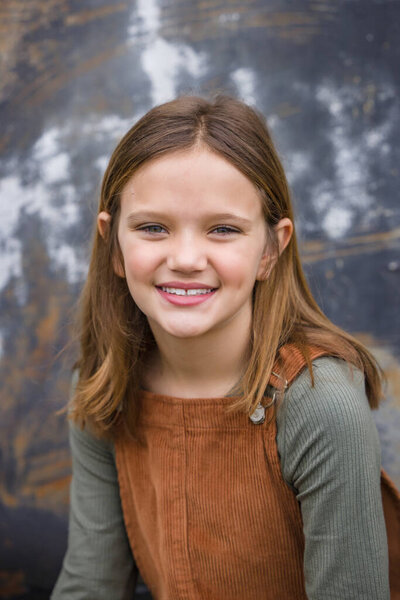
(185, 285)
(185, 294)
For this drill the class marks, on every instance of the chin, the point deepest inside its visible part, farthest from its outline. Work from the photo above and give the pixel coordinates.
(186, 332)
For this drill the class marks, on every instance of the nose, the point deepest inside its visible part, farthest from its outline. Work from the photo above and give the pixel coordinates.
(186, 254)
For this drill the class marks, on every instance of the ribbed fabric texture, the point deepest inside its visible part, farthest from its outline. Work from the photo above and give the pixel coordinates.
(330, 456)
(207, 511)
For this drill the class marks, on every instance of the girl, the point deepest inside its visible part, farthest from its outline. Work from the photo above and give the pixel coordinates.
(201, 456)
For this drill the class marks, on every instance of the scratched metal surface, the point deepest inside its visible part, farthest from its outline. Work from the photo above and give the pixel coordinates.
(74, 77)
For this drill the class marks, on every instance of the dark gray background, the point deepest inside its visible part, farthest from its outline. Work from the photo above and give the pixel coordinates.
(74, 77)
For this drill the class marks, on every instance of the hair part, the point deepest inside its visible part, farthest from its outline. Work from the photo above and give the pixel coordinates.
(114, 334)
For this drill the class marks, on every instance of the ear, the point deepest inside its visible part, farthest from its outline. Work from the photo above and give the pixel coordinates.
(284, 231)
(103, 226)
(103, 223)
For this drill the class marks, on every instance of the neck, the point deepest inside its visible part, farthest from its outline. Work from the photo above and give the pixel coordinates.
(206, 366)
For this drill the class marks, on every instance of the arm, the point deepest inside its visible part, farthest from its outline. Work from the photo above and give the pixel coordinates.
(330, 456)
(98, 563)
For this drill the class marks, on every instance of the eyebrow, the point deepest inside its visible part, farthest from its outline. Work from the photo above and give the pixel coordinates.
(135, 217)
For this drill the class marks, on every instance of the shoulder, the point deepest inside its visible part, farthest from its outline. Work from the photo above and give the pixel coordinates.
(331, 419)
(83, 440)
(328, 372)
(338, 393)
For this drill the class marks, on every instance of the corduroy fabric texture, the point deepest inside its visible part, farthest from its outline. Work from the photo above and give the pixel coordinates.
(207, 511)
(198, 498)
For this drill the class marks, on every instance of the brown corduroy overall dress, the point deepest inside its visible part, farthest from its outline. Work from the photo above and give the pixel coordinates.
(207, 511)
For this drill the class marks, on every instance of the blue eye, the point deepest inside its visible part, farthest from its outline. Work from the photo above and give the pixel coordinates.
(224, 230)
(152, 229)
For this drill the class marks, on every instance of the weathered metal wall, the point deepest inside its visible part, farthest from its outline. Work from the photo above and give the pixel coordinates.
(75, 76)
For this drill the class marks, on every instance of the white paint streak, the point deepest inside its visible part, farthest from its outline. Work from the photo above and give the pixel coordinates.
(12, 200)
(37, 198)
(245, 81)
(297, 165)
(101, 163)
(10, 259)
(348, 195)
(376, 139)
(67, 256)
(228, 18)
(162, 61)
(110, 124)
(55, 169)
(50, 194)
(150, 14)
(349, 160)
(47, 144)
(337, 221)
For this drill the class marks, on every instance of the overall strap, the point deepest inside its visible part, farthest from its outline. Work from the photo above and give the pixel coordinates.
(291, 362)
(288, 364)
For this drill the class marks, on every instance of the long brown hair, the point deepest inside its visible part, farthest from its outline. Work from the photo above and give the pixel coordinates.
(114, 333)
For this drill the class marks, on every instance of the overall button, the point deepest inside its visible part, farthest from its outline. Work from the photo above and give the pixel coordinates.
(258, 415)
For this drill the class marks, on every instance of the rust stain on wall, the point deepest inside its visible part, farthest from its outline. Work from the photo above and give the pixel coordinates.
(51, 81)
(315, 251)
(52, 494)
(12, 583)
(27, 17)
(325, 6)
(47, 60)
(286, 109)
(282, 19)
(369, 104)
(85, 16)
(202, 20)
(18, 22)
(389, 364)
(206, 20)
(295, 26)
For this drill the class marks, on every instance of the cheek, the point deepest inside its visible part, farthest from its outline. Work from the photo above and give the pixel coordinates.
(139, 261)
(240, 269)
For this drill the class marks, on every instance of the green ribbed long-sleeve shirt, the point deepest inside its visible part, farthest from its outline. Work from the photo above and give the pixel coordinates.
(330, 456)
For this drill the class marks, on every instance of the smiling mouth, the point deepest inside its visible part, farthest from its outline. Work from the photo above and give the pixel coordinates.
(183, 292)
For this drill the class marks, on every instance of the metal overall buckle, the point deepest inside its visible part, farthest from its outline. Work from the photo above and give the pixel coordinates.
(258, 415)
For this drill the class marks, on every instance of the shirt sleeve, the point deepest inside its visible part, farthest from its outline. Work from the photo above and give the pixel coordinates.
(98, 563)
(330, 456)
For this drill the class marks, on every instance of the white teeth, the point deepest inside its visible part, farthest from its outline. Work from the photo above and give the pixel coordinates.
(195, 292)
(182, 292)
(177, 291)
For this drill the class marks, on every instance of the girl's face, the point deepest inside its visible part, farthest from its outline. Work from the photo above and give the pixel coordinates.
(193, 241)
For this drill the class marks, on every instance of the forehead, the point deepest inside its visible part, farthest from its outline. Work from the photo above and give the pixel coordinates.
(193, 179)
